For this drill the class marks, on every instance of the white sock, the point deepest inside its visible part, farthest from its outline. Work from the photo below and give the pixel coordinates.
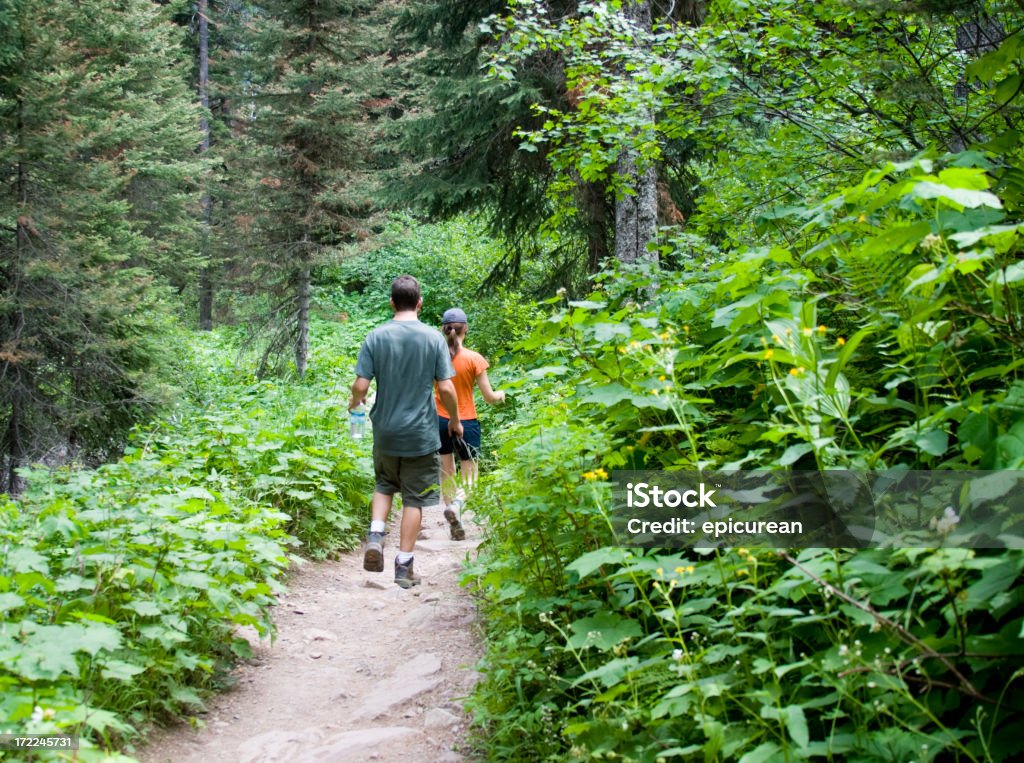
(377, 526)
(403, 557)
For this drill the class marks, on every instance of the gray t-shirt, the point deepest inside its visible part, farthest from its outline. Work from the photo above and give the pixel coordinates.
(406, 358)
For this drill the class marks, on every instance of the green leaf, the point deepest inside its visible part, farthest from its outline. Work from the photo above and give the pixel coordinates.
(603, 631)
(993, 581)
(796, 725)
(900, 238)
(610, 673)
(23, 559)
(934, 442)
(963, 197)
(1011, 274)
(992, 486)
(761, 753)
(969, 238)
(92, 638)
(120, 670)
(794, 452)
(192, 579)
(9, 601)
(592, 560)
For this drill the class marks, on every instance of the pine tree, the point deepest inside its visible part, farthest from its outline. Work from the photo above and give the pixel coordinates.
(310, 110)
(464, 134)
(97, 135)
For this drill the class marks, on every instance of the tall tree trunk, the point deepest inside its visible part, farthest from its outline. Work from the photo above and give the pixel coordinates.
(303, 296)
(206, 275)
(595, 205)
(636, 212)
(636, 215)
(12, 371)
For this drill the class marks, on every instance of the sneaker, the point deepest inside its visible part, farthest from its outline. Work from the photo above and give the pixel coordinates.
(451, 513)
(373, 555)
(404, 576)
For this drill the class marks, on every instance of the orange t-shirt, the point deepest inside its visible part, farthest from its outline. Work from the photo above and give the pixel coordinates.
(468, 365)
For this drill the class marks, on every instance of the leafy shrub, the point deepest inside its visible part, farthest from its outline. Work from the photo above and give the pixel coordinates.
(881, 337)
(121, 590)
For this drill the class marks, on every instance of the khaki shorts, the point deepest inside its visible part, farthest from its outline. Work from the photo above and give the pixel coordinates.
(417, 478)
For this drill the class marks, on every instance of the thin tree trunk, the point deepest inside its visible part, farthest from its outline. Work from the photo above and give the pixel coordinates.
(206, 275)
(636, 212)
(595, 205)
(14, 435)
(302, 340)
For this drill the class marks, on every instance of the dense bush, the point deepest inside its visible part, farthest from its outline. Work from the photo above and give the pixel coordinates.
(885, 336)
(121, 589)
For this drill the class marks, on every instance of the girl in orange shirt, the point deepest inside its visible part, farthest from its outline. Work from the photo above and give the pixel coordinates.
(470, 371)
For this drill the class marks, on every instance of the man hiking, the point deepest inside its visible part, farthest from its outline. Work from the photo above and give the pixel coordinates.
(405, 357)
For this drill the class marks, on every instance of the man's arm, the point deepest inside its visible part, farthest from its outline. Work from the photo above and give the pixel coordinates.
(359, 389)
(446, 390)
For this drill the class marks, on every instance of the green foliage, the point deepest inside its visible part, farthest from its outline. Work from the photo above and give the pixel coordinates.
(465, 135)
(98, 134)
(451, 260)
(122, 590)
(885, 334)
(282, 444)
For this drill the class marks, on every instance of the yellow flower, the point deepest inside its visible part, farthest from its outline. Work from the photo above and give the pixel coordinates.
(689, 568)
(822, 329)
(861, 219)
(768, 354)
(661, 572)
(686, 329)
(589, 476)
(740, 573)
(680, 570)
(808, 331)
(601, 473)
(742, 551)
(665, 335)
(775, 338)
(661, 378)
(794, 372)
(840, 341)
(789, 332)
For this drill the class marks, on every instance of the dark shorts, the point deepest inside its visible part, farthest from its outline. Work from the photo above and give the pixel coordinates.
(470, 450)
(415, 477)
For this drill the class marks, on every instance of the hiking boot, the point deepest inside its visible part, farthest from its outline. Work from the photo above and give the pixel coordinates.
(404, 576)
(454, 525)
(373, 555)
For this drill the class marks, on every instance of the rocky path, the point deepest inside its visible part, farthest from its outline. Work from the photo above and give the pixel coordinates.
(361, 670)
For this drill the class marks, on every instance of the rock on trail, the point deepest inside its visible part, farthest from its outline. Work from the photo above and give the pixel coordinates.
(360, 670)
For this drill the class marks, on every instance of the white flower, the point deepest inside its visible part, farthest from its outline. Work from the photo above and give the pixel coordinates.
(677, 654)
(945, 524)
(37, 714)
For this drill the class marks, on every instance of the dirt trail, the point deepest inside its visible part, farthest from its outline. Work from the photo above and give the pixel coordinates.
(361, 669)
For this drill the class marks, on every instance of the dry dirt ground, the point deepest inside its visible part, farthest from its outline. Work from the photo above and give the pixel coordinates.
(360, 670)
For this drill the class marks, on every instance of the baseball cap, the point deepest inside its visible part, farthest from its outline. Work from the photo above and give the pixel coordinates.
(454, 315)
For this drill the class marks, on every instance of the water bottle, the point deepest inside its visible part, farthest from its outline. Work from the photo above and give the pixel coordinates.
(357, 421)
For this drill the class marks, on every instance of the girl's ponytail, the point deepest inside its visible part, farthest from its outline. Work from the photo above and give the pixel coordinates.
(454, 336)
